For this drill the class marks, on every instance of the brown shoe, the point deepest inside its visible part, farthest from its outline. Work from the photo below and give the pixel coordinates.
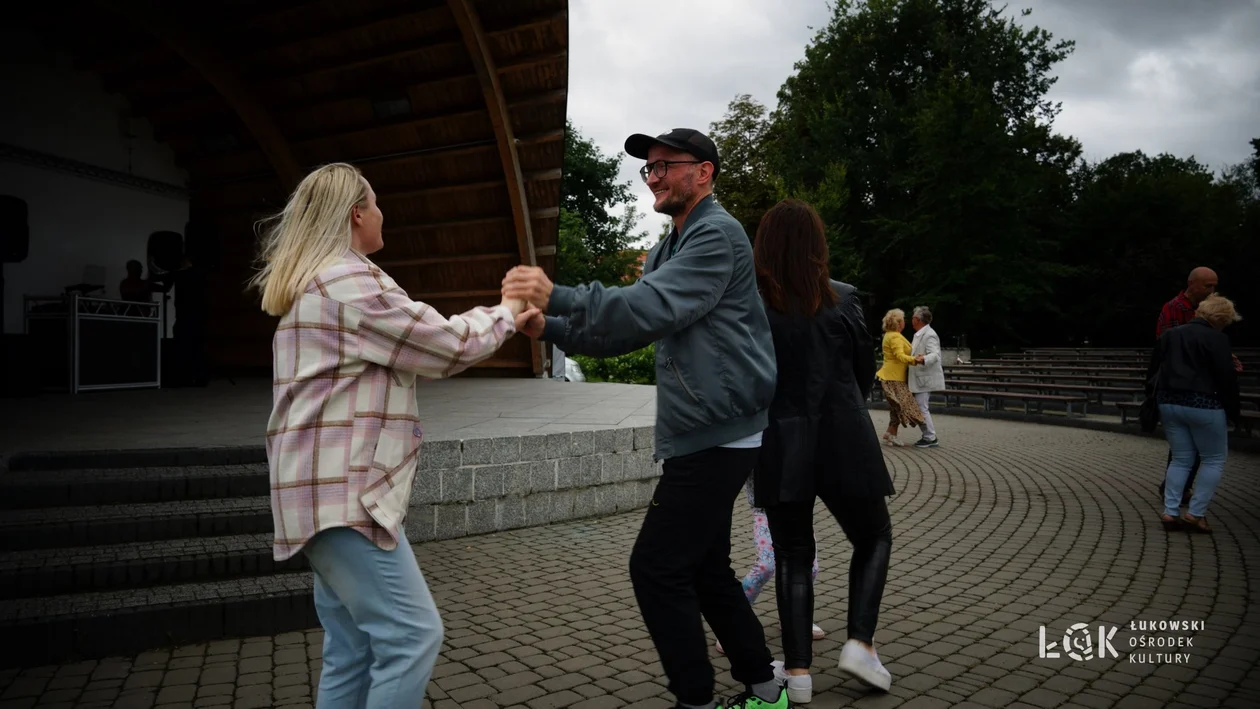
(1197, 525)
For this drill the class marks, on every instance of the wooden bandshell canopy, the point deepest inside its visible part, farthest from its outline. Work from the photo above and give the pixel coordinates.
(453, 109)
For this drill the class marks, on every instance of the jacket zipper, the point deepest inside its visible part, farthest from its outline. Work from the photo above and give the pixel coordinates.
(669, 363)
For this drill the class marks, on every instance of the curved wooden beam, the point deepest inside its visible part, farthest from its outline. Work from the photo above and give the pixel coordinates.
(479, 52)
(202, 56)
(483, 62)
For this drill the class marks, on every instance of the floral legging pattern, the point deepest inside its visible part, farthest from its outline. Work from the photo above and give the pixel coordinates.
(763, 569)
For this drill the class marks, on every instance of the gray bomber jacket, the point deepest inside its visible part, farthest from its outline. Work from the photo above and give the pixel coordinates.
(715, 364)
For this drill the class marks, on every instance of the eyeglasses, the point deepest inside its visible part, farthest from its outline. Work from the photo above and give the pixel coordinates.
(660, 168)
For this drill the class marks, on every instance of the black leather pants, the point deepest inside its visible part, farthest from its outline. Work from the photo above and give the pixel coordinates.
(867, 525)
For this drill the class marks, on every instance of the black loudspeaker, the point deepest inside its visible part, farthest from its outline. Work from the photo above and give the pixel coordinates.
(15, 234)
(15, 242)
(200, 246)
(166, 252)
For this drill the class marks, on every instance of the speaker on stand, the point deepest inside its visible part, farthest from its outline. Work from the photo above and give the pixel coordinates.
(192, 301)
(15, 239)
(15, 242)
(166, 257)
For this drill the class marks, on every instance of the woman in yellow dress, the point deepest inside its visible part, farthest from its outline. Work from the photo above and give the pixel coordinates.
(902, 409)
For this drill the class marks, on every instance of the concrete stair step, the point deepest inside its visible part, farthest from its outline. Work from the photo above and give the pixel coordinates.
(47, 572)
(62, 488)
(118, 524)
(136, 458)
(67, 628)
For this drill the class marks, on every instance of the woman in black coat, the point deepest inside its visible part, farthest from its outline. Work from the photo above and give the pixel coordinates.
(1196, 387)
(820, 442)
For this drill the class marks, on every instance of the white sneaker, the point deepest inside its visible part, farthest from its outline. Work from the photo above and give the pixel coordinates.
(800, 688)
(815, 632)
(864, 666)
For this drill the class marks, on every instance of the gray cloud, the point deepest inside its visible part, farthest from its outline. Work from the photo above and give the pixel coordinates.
(1157, 75)
(1178, 76)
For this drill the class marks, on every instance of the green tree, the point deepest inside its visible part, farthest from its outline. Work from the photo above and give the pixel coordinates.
(1244, 177)
(746, 186)
(957, 187)
(592, 244)
(666, 227)
(1141, 224)
(1247, 254)
(830, 198)
(1254, 161)
(1235, 264)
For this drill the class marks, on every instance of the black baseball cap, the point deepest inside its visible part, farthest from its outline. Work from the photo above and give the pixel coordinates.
(687, 140)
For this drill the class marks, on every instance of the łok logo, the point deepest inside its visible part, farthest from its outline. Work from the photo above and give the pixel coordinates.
(1078, 643)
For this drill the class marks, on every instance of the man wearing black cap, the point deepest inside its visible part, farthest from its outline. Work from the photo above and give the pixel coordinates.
(715, 378)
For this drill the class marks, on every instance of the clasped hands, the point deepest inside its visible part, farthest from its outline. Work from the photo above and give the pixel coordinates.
(526, 292)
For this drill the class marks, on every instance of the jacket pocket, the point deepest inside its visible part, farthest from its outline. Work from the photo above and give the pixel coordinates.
(391, 469)
(669, 364)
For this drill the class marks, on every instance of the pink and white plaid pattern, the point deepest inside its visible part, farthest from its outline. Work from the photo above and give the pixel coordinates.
(344, 434)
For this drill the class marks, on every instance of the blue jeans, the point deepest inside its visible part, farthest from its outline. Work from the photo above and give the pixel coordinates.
(382, 632)
(1193, 431)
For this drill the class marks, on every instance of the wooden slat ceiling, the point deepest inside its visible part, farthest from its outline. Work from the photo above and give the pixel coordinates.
(236, 88)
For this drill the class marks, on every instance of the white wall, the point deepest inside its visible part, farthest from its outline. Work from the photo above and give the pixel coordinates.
(76, 221)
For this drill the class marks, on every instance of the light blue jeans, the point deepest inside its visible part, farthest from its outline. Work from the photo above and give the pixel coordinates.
(1191, 430)
(382, 632)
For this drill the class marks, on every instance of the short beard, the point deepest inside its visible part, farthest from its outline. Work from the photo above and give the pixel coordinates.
(674, 206)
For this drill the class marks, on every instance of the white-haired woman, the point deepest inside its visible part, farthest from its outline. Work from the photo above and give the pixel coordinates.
(344, 432)
(1197, 390)
(893, 376)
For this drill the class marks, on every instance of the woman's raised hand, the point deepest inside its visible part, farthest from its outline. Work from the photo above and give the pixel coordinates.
(516, 305)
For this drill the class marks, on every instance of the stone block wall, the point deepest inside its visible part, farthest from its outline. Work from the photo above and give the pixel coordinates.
(484, 485)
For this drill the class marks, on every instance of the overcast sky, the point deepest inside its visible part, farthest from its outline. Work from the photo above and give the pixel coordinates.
(1178, 76)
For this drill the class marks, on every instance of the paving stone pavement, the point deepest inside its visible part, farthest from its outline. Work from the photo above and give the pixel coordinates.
(1004, 528)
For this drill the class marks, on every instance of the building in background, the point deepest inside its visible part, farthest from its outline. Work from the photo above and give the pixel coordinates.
(197, 119)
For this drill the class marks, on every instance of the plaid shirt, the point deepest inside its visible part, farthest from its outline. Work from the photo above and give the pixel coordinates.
(344, 433)
(1177, 311)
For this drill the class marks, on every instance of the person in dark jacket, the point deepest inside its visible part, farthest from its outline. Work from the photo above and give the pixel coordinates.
(1196, 387)
(820, 442)
(715, 373)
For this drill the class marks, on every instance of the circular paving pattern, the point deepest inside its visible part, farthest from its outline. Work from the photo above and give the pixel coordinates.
(1004, 529)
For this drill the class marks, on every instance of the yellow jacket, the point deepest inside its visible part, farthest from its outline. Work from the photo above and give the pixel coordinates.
(896, 358)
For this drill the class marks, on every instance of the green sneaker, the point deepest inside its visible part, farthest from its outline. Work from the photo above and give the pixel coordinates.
(748, 700)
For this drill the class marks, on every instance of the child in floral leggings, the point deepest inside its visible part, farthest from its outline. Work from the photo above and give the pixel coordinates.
(763, 569)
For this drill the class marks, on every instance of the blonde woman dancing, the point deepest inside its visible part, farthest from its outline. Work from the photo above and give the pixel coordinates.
(344, 433)
(893, 377)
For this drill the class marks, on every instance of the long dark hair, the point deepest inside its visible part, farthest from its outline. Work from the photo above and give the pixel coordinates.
(790, 253)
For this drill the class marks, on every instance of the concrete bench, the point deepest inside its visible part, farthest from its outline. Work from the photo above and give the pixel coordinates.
(1095, 391)
(993, 400)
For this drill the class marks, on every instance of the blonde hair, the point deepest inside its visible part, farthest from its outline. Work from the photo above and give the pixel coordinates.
(1218, 310)
(312, 230)
(892, 317)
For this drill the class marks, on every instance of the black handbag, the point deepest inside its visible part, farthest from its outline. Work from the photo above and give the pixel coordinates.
(1148, 413)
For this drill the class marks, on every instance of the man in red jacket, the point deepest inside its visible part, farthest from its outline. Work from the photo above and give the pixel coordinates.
(1180, 310)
